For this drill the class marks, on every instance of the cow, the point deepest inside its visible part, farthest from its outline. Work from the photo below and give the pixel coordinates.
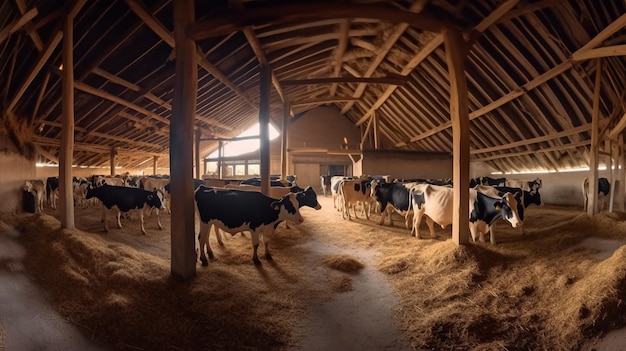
(274, 181)
(393, 197)
(234, 211)
(325, 183)
(306, 197)
(528, 185)
(334, 190)
(275, 192)
(353, 192)
(80, 186)
(604, 188)
(436, 202)
(52, 191)
(124, 199)
(528, 198)
(38, 189)
(489, 181)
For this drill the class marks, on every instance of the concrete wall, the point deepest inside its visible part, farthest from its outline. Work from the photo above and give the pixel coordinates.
(14, 170)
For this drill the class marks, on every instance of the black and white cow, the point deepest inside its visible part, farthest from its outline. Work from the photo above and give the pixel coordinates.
(234, 211)
(604, 188)
(436, 203)
(487, 181)
(528, 185)
(123, 199)
(325, 183)
(393, 197)
(52, 191)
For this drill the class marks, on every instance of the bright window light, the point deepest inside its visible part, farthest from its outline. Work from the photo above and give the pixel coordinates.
(238, 147)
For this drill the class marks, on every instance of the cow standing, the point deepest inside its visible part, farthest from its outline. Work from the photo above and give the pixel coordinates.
(355, 192)
(393, 197)
(234, 211)
(436, 203)
(38, 189)
(52, 191)
(604, 188)
(124, 199)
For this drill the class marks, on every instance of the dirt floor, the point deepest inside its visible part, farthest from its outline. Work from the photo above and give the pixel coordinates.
(333, 285)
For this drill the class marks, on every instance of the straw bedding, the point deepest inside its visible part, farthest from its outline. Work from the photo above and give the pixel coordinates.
(541, 291)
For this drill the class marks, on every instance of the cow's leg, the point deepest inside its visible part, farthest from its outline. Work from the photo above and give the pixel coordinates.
(104, 218)
(417, 218)
(266, 243)
(203, 240)
(218, 235)
(255, 245)
(431, 227)
(143, 229)
(408, 218)
(158, 218)
(492, 235)
(119, 222)
(383, 213)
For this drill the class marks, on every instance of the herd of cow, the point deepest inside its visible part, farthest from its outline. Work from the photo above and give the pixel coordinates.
(230, 206)
(489, 200)
(234, 206)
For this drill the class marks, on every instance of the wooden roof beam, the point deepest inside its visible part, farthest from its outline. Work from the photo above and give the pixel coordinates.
(344, 29)
(320, 101)
(255, 44)
(165, 35)
(152, 97)
(21, 5)
(428, 49)
(94, 148)
(17, 24)
(392, 80)
(232, 20)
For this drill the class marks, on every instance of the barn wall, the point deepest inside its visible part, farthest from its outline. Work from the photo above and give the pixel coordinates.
(407, 165)
(323, 127)
(562, 188)
(14, 170)
(45, 172)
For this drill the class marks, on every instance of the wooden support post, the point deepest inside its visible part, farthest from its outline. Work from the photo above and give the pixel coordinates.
(66, 155)
(112, 160)
(155, 163)
(619, 184)
(284, 160)
(220, 155)
(459, 111)
(264, 120)
(183, 263)
(197, 152)
(592, 204)
(375, 130)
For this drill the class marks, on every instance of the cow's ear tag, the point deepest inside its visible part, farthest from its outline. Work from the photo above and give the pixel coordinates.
(498, 207)
(276, 208)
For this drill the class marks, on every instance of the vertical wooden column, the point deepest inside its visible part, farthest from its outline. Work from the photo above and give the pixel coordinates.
(155, 163)
(375, 130)
(455, 55)
(284, 161)
(112, 155)
(220, 155)
(197, 153)
(183, 263)
(592, 205)
(619, 185)
(66, 156)
(264, 119)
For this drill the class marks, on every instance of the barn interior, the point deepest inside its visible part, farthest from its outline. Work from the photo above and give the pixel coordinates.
(413, 89)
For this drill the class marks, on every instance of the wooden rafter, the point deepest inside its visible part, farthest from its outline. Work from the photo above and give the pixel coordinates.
(391, 80)
(17, 24)
(255, 44)
(223, 23)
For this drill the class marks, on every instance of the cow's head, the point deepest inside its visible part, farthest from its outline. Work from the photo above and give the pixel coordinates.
(28, 186)
(156, 199)
(508, 207)
(288, 208)
(308, 197)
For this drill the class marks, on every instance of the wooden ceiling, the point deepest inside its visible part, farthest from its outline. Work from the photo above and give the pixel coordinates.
(530, 70)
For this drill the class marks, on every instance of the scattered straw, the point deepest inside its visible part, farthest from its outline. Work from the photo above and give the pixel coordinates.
(344, 263)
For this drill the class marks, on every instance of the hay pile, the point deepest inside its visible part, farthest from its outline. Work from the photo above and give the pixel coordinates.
(126, 298)
(541, 291)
